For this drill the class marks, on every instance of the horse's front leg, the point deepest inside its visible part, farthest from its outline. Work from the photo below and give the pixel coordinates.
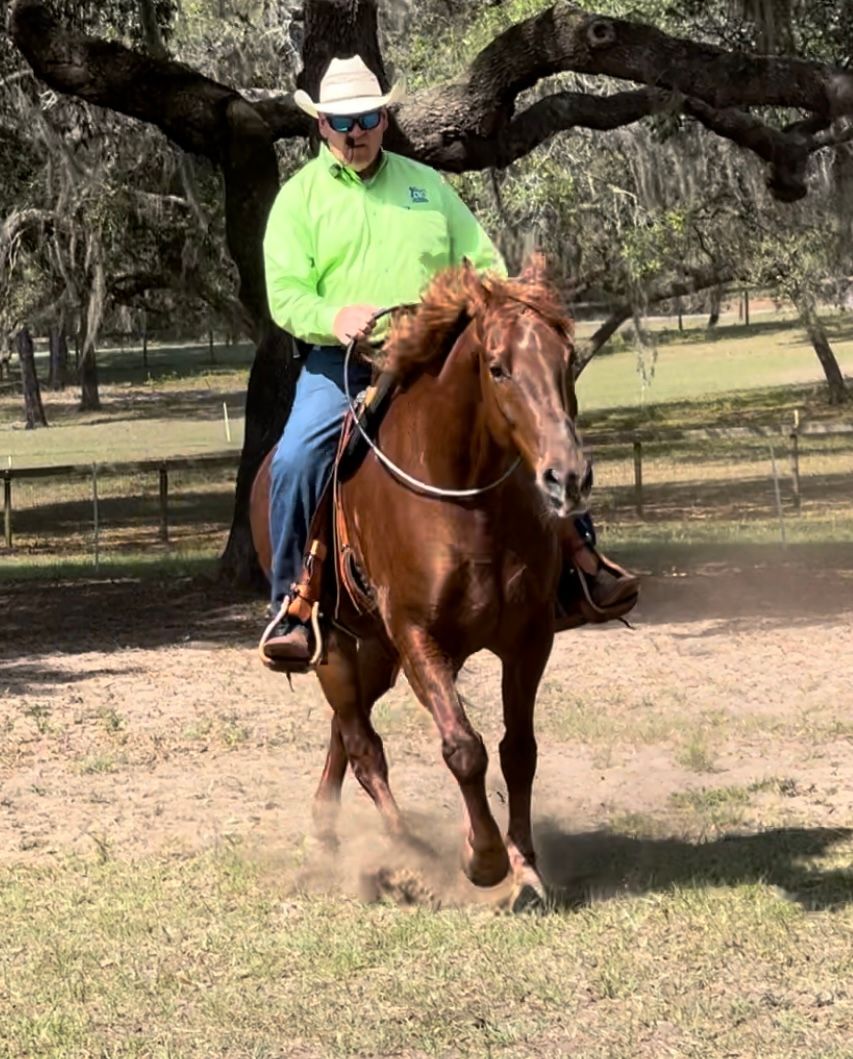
(522, 672)
(432, 678)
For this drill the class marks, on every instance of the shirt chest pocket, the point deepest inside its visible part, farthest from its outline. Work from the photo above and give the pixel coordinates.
(425, 238)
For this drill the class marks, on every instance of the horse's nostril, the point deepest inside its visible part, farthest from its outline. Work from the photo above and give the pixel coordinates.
(586, 484)
(572, 490)
(552, 483)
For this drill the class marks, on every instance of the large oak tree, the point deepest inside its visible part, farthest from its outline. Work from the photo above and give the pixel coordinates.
(473, 121)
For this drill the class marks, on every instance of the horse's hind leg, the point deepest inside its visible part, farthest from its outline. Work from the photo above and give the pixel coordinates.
(352, 681)
(521, 675)
(432, 677)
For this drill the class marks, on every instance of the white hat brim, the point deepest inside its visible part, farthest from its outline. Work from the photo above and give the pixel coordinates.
(359, 105)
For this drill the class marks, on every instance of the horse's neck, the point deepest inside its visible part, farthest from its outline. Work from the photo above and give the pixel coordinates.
(445, 417)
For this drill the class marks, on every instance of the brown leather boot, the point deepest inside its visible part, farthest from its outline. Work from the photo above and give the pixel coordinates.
(607, 588)
(601, 595)
(289, 643)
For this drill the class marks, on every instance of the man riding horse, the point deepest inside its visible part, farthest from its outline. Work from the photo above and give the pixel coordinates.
(356, 230)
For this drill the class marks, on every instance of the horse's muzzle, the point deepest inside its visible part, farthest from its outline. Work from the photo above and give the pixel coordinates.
(567, 492)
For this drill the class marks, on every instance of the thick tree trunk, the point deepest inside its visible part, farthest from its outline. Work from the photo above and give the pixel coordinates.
(33, 407)
(842, 175)
(339, 28)
(269, 396)
(58, 357)
(716, 300)
(807, 309)
(90, 398)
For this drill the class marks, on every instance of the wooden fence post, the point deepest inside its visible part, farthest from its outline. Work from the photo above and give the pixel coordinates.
(164, 503)
(795, 466)
(7, 507)
(638, 476)
(95, 514)
(777, 494)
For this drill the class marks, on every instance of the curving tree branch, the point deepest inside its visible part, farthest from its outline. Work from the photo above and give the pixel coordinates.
(469, 123)
(689, 282)
(182, 102)
(564, 37)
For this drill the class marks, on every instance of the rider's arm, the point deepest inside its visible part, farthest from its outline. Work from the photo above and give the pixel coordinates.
(291, 273)
(467, 238)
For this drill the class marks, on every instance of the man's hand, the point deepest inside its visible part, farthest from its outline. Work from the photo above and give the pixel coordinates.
(354, 322)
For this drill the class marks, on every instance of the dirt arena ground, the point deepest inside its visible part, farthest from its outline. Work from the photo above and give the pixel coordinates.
(136, 719)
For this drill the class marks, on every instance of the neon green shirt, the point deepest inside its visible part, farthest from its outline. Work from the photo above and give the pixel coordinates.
(334, 240)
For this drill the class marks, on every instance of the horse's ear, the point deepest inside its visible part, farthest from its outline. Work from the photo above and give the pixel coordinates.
(535, 271)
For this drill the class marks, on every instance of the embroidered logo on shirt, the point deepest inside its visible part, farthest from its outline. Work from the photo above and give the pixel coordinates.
(418, 194)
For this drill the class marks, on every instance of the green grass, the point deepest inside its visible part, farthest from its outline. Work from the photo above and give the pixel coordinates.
(212, 955)
(23, 567)
(692, 369)
(724, 808)
(175, 410)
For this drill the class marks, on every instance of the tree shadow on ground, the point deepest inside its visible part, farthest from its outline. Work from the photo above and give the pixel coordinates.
(137, 514)
(43, 619)
(724, 500)
(18, 678)
(172, 362)
(739, 586)
(201, 404)
(582, 868)
(727, 499)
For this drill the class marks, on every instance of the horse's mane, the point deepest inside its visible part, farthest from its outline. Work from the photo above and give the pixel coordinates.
(458, 295)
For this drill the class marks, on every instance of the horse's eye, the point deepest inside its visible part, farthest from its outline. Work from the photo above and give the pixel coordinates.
(497, 371)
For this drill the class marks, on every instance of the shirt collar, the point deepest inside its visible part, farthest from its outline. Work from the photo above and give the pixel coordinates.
(343, 172)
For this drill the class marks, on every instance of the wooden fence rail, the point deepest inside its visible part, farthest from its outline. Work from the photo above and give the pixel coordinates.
(95, 471)
(214, 461)
(817, 430)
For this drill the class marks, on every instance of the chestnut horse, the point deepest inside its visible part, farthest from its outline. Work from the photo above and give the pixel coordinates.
(484, 407)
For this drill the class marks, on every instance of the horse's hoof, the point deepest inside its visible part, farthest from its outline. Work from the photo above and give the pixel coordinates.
(400, 886)
(485, 869)
(528, 898)
(327, 841)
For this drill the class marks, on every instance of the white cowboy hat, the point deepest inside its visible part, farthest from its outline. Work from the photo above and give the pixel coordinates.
(348, 87)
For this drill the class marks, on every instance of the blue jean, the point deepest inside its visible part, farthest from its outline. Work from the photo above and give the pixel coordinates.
(304, 456)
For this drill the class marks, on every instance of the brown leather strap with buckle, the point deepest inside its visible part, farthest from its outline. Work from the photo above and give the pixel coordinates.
(306, 592)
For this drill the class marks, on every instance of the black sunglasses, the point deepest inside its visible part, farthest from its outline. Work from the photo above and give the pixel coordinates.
(346, 122)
